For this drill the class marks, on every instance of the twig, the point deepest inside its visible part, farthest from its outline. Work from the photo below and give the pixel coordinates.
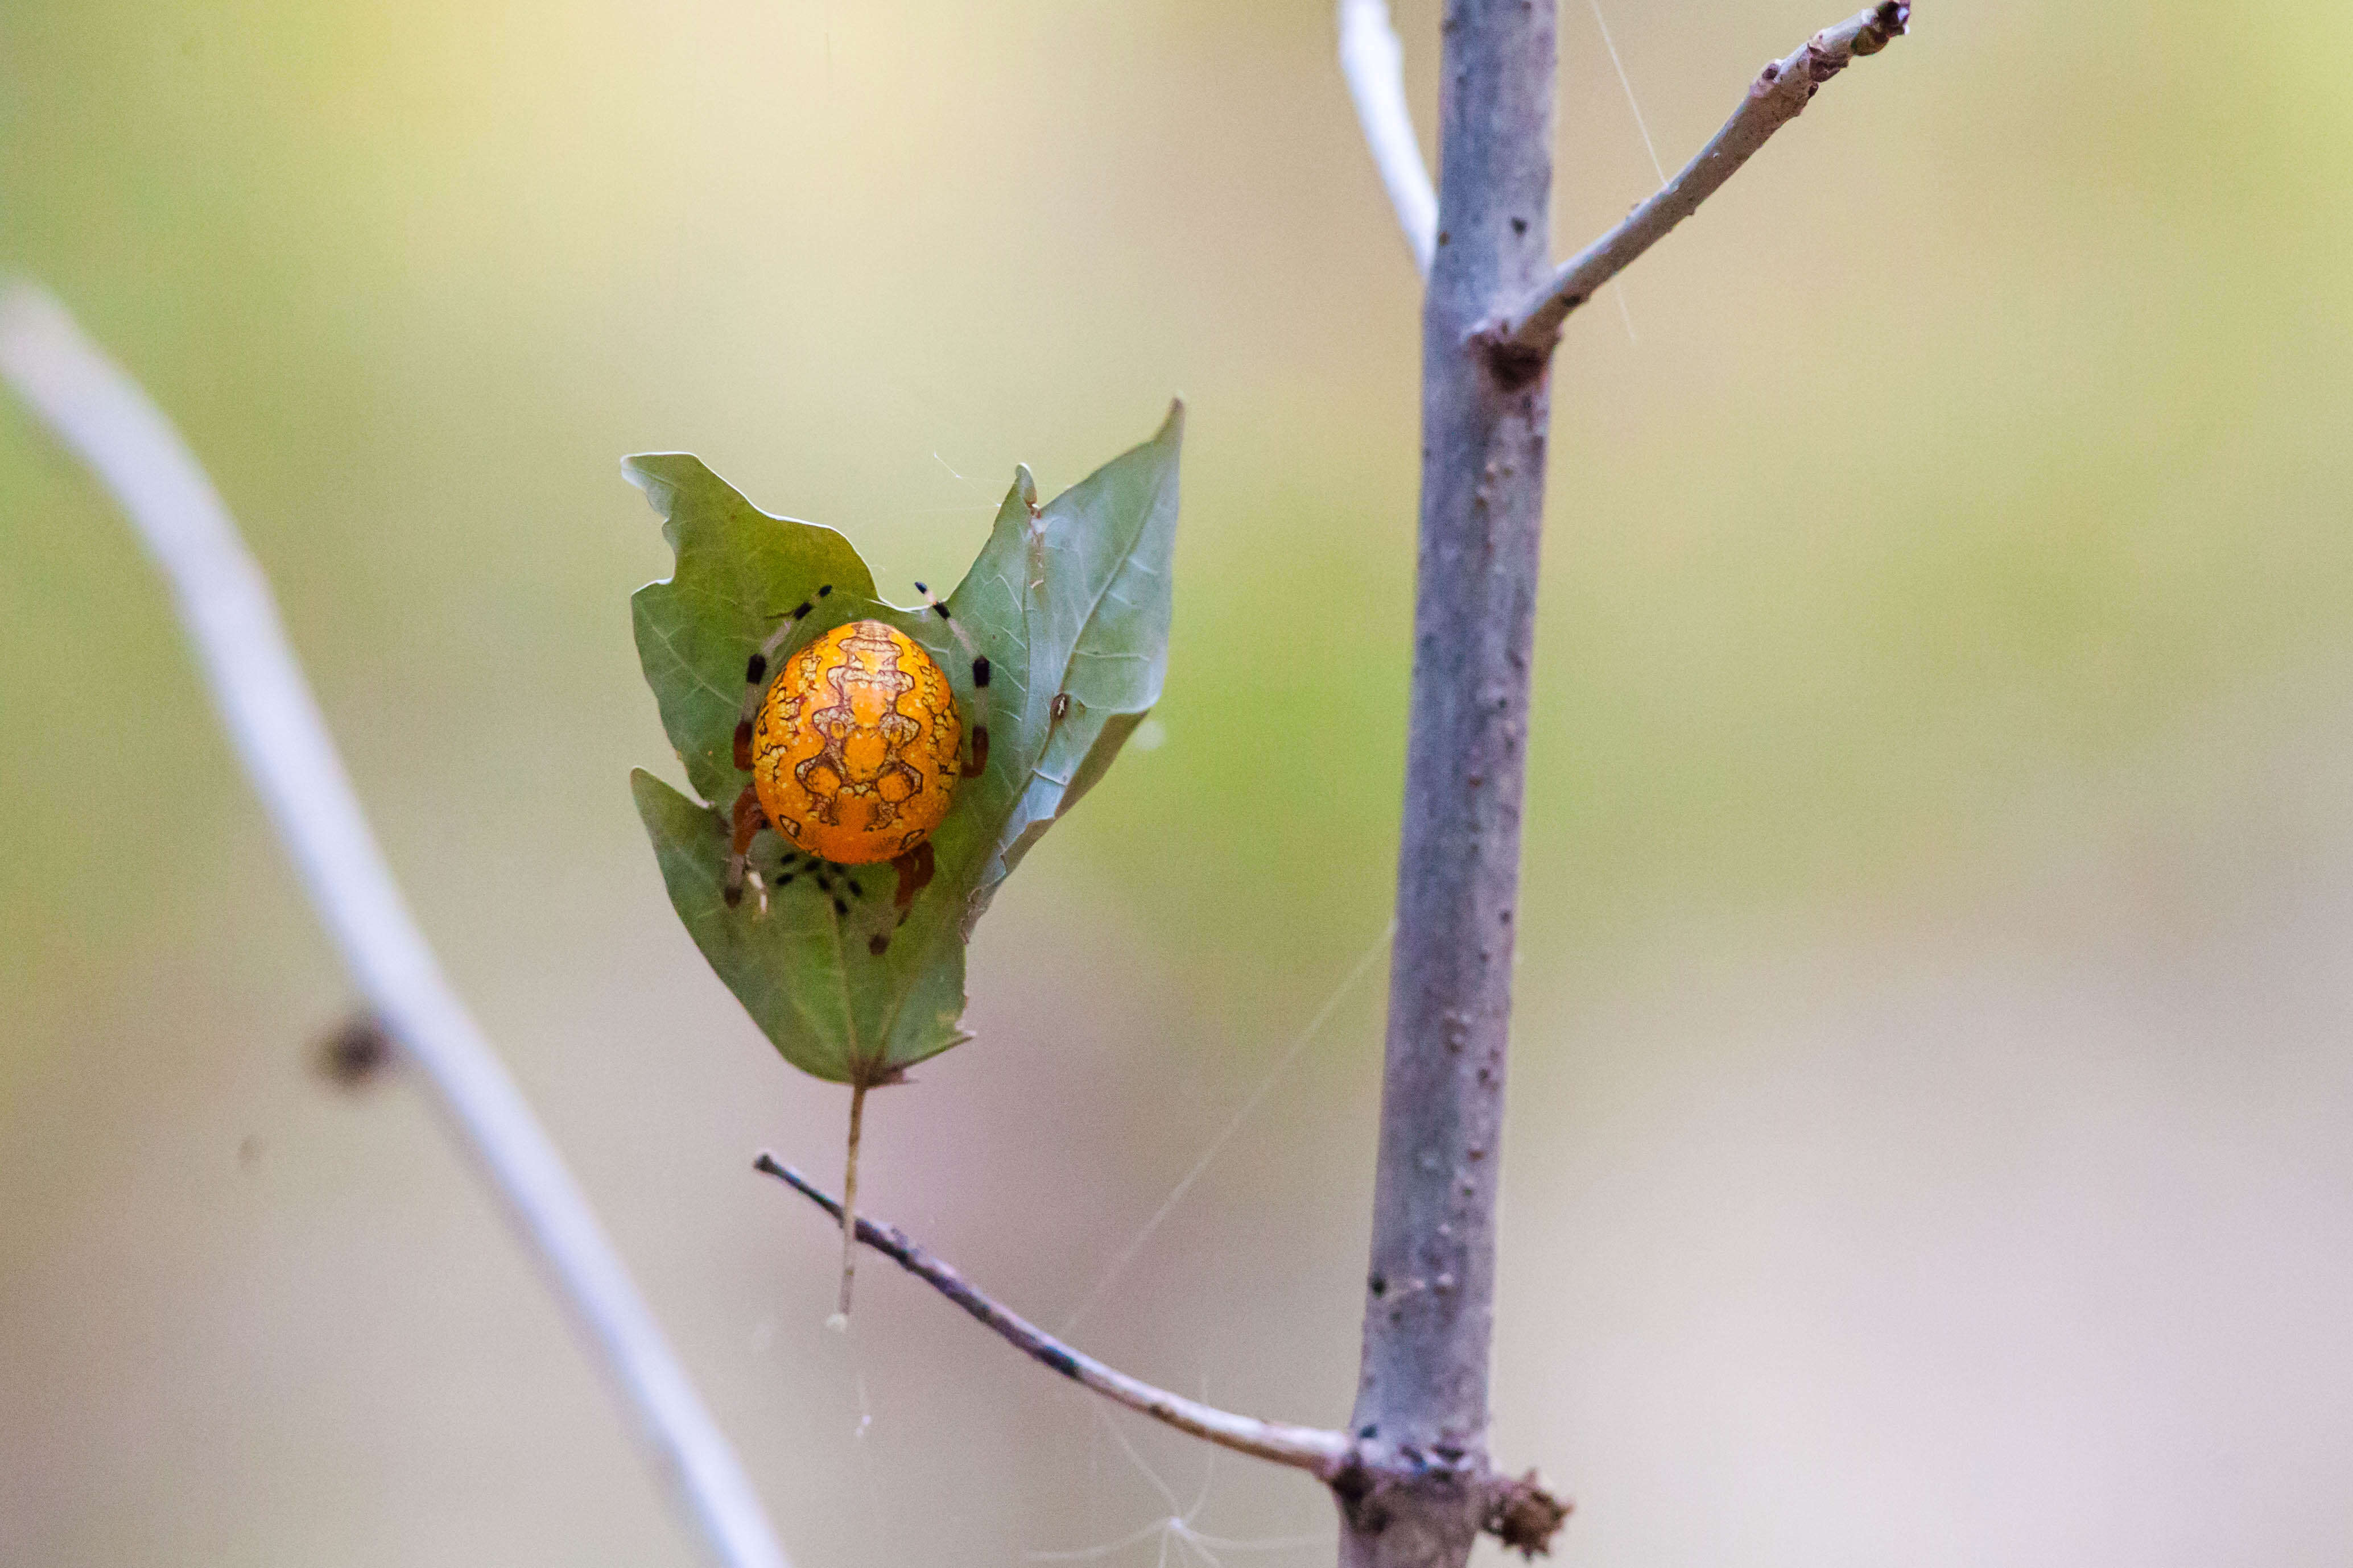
(1521, 1513)
(99, 411)
(1780, 90)
(1324, 1454)
(1373, 63)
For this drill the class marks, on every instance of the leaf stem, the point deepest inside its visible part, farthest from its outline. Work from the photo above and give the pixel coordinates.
(839, 1322)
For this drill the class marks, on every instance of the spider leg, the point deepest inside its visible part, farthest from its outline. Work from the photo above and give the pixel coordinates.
(748, 818)
(914, 869)
(756, 676)
(824, 873)
(979, 761)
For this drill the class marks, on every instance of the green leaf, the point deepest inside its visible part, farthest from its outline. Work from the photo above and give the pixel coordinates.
(1070, 600)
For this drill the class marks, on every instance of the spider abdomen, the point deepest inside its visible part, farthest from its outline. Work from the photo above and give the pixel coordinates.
(855, 754)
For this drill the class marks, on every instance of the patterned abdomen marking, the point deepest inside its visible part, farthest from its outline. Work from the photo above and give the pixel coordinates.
(855, 752)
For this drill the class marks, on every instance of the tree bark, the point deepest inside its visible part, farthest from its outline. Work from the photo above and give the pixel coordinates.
(1421, 1406)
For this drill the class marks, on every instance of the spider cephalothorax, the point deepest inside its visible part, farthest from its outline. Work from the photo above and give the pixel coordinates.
(855, 748)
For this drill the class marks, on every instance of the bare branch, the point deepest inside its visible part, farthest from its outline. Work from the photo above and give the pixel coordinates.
(1324, 1454)
(1373, 63)
(1780, 90)
(98, 410)
(1421, 1408)
(1365, 1477)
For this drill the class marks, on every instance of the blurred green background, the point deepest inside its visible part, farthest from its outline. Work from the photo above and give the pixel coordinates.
(1929, 1141)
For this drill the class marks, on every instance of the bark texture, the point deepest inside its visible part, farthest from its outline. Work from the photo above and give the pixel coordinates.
(1422, 1409)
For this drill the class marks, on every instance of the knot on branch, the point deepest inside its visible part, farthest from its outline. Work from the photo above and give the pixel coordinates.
(1448, 1494)
(1523, 1516)
(1418, 1509)
(1513, 361)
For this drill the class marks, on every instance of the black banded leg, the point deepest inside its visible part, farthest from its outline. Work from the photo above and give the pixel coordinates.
(756, 676)
(977, 761)
(830, 880)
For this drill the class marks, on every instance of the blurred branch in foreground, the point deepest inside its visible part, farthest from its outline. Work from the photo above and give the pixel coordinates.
(1373, 63)
(1775, 97)
(99, 412)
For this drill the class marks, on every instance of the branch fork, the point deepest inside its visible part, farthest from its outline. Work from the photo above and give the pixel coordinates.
(1361, 1470)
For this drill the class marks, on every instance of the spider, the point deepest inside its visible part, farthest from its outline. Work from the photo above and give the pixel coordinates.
(855, 748)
